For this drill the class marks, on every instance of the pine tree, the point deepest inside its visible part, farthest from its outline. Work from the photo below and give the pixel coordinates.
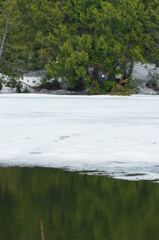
(83, 42)
(12, 40)
(82, 51)
(151, 27)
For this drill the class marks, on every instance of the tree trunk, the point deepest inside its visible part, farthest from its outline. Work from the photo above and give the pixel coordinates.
(95, 73)
(157, 63)
(123, 71)
(4, 38)
(131, 68)
(123, 68)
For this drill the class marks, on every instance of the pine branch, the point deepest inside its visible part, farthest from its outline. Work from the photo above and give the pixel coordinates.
(10, 63)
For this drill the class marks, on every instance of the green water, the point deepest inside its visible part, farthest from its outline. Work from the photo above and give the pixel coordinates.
(74, 206)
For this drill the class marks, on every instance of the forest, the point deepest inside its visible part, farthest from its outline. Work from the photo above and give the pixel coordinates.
(84, 43)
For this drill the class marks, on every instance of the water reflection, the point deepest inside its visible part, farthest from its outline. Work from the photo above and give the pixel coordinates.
(74, 206)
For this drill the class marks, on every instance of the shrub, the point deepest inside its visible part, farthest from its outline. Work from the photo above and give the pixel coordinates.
(94, 88)
(107, 86)
(97, 88)
(120, 90)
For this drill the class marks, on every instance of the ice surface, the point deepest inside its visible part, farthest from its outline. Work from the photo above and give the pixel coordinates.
(115, 136)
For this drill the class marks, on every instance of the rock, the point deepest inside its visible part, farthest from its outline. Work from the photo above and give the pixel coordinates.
(153, 79)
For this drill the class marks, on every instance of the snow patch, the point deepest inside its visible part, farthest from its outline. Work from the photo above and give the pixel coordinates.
(140, 73)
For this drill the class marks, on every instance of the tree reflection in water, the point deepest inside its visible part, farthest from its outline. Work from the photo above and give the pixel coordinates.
(75, 206)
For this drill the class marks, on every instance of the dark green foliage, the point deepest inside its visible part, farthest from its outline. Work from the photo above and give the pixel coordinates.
(12, 41)
(94, 88)
(79, 41)
(101, 88)
(107, 86)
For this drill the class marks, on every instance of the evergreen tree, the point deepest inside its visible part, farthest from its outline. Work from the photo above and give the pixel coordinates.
(12, 41)
(83, 55)
(151, 28)
(83, 42)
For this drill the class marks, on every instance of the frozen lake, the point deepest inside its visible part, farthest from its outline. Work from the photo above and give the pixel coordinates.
(114, 136)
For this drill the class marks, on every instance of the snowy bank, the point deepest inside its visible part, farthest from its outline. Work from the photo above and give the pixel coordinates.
(33, 79)
(141, 73)
(115, 136)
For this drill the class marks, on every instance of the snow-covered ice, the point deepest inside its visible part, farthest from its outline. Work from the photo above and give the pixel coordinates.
(111, 135)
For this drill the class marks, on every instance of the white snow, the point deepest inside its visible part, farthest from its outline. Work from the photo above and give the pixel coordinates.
(140, 70)
(7, 90)
(33, 78)
(110, 135)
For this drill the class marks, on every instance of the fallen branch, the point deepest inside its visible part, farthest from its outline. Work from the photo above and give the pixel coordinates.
(35, 88)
